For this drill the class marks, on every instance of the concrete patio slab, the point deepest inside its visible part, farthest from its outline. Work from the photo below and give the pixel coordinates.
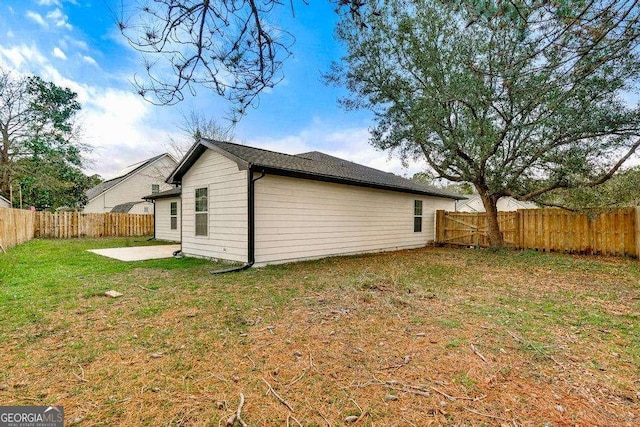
(138, 253)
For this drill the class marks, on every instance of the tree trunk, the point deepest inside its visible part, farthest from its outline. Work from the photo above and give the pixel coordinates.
(4, 162)
(494, 234)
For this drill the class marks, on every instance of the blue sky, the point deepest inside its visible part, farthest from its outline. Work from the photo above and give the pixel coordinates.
(76, 43)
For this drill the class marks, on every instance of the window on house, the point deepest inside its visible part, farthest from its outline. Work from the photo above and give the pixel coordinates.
(417, 216)
(155, 188)
(174, 215)
(202, 209)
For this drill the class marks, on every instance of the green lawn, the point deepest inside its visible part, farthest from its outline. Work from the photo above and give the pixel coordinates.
(435, 335)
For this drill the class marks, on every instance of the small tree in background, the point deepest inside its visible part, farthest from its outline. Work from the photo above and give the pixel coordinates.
(194, 126)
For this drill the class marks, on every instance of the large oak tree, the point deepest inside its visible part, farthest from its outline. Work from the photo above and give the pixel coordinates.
(519, 98)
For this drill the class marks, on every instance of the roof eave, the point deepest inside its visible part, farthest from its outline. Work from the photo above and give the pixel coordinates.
(161, 196)
(337, 180)
(194, 153)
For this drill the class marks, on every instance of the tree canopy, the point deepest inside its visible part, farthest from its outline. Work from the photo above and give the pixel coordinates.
(622, 190)
(519, 98)
(40, 153)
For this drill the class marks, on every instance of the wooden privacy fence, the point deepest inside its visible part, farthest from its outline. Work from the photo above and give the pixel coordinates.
(19, 226)
(610, 233)
(16, 227)
(65, 225)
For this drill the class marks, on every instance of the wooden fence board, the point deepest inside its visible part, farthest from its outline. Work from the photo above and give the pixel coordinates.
(611, 233)
(65, 225)
(19, 226)
(16, 227)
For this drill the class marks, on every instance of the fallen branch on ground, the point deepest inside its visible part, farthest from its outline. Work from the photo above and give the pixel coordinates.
(80, 378)
(484, 415)
(237, 415)
(324, 418)
(304, 371)
(294, 419)
(475, 350)
(277, 396)
(396, 385)
(534, 347)
(454, 398)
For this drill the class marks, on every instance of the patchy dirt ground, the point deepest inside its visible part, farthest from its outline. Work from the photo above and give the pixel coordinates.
(427, 337)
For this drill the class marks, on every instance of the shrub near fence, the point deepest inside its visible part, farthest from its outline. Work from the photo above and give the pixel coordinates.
(19, 226)
(611, 233)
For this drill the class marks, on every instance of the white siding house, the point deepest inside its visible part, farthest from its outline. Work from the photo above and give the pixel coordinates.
(167, 213)
(225, 235)
(167, 223)
(505, 204)
(300, 219)
(131, 185)
(4, 203)
(261, 207)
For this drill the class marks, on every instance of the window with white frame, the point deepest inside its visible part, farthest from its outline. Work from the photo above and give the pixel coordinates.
(155, 188)
(174, 215)
(417, 216)
(202, 211)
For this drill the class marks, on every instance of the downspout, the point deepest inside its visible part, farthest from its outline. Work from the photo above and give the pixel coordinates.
(178, 253)
(251, 225)
(154, 221)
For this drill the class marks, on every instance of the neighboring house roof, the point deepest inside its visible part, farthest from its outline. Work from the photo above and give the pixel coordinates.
(5, 199)
(515, 203)
(124, 207)
(313, 165)
(174, 192)
(122, 175)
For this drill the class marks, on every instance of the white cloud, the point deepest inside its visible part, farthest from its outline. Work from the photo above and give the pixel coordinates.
(49, 2)
(21, 58)
(89, 60)
(77, 43)
(59, 19)
(117, 123)
(37, 18)
(58, 53)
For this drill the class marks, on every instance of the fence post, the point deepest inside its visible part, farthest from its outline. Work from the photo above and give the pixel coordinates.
(636, 225)
(516, 238)
(439, 226)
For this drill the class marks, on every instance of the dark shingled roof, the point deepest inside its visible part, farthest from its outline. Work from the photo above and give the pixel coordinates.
(104, 186)
(124, 207)
(174, 192)
(313, 165)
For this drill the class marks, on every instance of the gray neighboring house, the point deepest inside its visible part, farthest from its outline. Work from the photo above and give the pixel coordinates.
(125, 191)
(473, 203)
(260, 207)
(4, 202)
